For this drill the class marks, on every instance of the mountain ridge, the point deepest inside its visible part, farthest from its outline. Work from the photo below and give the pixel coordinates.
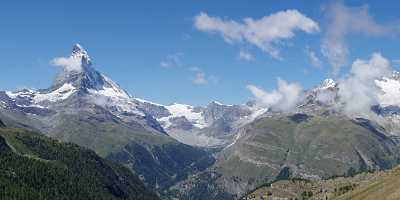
(203, 150)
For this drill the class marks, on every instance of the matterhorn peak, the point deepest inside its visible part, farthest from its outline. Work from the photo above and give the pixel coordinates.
(79, 52)
(78, 71)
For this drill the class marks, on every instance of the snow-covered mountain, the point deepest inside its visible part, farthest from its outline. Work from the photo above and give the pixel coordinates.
(200, 126)
(213, 125)
(76, 87)
(83, 82)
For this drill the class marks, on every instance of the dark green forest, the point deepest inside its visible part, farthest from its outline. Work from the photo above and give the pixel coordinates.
(35, 167)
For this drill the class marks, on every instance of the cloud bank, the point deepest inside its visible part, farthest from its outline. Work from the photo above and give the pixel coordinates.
(285, 98)
(358, 91)
(264, 33)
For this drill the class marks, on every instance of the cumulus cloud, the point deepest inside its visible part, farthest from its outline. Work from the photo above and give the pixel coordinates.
(263, 33)
(342, 21)
(246, 55)
(172, 60)
(358, 91)
(68, 64)
(285, 98)
(313, 58)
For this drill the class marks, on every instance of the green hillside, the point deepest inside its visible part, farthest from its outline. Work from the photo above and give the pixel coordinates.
(385, 187)
(36, 167)
(382, 185)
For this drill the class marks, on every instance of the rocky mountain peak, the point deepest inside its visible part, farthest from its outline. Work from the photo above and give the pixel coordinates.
(83, 79)
(80, 53)
(328, 84)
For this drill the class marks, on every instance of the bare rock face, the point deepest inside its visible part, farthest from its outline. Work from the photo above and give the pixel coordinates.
(155, 110)
(217, 111)
(181, 123)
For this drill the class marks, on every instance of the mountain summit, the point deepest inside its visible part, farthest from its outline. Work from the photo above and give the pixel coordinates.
(79, 52)
(84, 77)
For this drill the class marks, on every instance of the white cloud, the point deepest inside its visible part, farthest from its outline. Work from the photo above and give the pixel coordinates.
(68, 64)
(264, 33)
(326, 97)
(343, 20)
(173, 60)
(285, 98)
(314, 60)
(246, 55)
(358, 91)
(201, 78)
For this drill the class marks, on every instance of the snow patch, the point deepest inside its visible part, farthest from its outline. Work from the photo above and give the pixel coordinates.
(61, 93)
(114, 90)
(187, 111)
(22, 93)
(238, 135)
(149, 102)
(111, 95)
(328, 83)
(31, 106)
(220, 104)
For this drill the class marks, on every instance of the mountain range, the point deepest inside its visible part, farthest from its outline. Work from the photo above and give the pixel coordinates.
(215, 151)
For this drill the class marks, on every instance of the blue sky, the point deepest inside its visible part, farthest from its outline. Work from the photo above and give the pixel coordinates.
(155, 51)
